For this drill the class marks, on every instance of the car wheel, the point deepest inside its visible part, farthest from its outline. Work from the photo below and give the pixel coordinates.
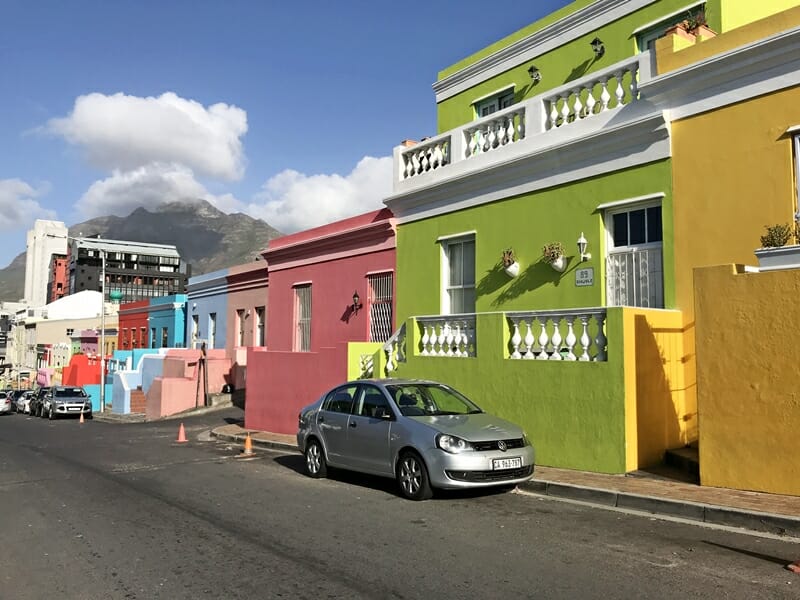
(316, 466)
(412, 477)
(50, 414)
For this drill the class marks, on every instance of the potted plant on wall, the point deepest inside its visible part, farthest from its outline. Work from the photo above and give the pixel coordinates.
(553, 254)
(777, 251)
(510, 264)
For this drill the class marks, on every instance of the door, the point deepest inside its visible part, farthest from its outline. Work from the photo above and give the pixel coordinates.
(333, 420)
(368, 433)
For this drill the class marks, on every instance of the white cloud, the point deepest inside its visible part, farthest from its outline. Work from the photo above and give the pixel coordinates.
(149, 186)
(291, 201)
(124, 133)
(18, 205)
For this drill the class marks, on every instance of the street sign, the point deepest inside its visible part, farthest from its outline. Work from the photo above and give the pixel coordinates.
(584, 277)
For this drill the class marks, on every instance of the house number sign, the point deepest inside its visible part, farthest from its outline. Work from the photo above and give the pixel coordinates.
(584, 277)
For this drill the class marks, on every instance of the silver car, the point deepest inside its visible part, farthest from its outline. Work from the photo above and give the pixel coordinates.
(423, 433)
(24, 402)
(5, 402)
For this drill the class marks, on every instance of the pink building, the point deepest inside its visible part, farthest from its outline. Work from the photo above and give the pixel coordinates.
(313, 277)
(246, 315)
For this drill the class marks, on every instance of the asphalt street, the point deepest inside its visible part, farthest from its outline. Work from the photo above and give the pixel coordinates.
(110, 510)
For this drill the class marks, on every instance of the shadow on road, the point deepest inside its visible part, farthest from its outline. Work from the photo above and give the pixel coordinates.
(766, 557)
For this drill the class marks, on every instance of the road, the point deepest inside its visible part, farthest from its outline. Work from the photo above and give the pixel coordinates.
(108, 510)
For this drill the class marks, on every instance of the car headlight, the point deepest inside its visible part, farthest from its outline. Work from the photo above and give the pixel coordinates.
(526, 441)
(452, 444)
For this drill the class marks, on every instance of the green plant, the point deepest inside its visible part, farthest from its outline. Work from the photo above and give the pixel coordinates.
(508, 258)
(777, 235)
(553, 251)
(694, 20)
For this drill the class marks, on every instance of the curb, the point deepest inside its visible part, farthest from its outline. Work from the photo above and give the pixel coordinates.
(775, 524)
(110, 417)
(781, 525)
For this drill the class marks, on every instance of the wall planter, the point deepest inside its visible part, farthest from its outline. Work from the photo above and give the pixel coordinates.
(783, 257)
(510, 264)
(554, 254)
(559, 264)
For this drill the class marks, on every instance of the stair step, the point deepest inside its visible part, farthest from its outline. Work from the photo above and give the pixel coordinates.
(686, 459)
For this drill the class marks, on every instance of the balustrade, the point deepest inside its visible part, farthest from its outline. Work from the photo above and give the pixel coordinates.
(426, 156)
(571, 335)
(395, 350)
(452, 336)
(500, 129)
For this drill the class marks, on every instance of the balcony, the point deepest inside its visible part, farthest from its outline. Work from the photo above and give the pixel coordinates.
(570, 115)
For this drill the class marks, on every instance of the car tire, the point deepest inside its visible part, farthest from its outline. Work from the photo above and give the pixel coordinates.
(50, 414)
(316, 466)
(412, 477)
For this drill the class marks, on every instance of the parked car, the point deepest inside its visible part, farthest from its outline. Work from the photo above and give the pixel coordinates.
(66, 401)
(23, 401)
(5, 403)
(424, 434)
(37, 401)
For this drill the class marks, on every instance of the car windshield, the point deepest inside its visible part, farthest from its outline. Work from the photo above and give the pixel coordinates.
(70, 392)
(420, 399)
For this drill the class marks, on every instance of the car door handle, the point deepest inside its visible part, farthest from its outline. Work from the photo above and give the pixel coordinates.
(352, 423)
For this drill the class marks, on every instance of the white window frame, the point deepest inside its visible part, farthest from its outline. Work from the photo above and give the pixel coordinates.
(445, 243)
(656, 29)
(796, 148)
(240, 320)
(380, 302)
(495, 101)
(611, 249)
(212, 329)
(261, 317)
(302, 343)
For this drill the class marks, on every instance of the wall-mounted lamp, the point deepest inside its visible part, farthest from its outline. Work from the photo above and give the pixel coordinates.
(582, 245)
(598, 47)
(535, 74)
(356, 302)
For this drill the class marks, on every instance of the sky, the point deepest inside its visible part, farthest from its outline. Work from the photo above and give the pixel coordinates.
(286, 111)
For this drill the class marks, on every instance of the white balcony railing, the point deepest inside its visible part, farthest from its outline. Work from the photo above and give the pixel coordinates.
(395, 350)
(451, 335)
(556, 109)
(573, 335)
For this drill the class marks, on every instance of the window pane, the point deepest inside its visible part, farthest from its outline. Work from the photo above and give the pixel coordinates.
(654, 232)
(621, 229)
(455, 260)
(468, 301)
(456, 301)
(637, 223)
(468, 261)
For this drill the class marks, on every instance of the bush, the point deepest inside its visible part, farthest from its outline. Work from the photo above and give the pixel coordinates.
(777, 235)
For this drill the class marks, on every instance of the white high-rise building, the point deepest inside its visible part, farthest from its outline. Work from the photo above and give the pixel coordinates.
(45, 239)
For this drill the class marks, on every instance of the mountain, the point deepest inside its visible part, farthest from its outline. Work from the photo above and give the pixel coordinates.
(206, 238)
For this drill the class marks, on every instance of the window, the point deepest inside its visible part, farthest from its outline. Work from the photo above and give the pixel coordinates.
(260, 323)
(372, 403)
(195, 329)
(340, 400)
(240, 316)
(212, 329)
(379, 289)
(70, 332)
(458, 266)
(165, 337)
(143, 337)
(646, 36)
(634, 273)
(302, 312)
(125, 337)
(153, 337)
(487, 106)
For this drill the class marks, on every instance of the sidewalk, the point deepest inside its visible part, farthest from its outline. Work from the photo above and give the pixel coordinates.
(770, 513)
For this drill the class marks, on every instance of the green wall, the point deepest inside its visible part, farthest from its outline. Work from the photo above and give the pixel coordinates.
(525, 223)
(563, 64)
(573, 412)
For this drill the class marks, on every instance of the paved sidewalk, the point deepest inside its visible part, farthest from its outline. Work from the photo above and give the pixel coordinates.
(770, 513)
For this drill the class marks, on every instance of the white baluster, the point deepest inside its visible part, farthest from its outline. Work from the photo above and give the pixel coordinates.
(415, 161)
(449, 337)
(424, 163)
(473, 144)
(620, 91)
(520, 125)
(457, 339)
(544, 338)
(442, 339)
(426, 338)
(515, 340)
(570, 339)
(553, 116)
(585, 340)
(436, 157)
(389, 360)
(556, 339)
(600, 340)
(590, 101)
(529, 341)
(578, 104)
(634, 82)
(604, 95)
(565, 110)
(409, 165)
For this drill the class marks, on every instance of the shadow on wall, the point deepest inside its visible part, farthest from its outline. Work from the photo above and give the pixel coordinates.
(533, 277)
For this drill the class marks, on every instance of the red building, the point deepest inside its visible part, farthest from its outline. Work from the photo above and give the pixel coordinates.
(246, 317)
(57, 284)
(133, 325)
(313, 277)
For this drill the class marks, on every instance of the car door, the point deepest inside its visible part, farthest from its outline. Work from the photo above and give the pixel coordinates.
(332, 422)
(368, 432)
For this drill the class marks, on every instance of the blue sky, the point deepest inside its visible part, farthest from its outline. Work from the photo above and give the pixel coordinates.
(287, 111)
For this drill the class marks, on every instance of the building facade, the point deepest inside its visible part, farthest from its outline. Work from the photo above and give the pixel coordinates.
(57, 281)
(43, 241)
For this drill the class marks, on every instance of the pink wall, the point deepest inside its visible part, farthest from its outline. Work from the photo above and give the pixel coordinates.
(335, 260)
(279, 384)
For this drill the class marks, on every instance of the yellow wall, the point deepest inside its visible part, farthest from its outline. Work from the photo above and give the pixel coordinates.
(747, 378)
(672, 54)
(656, 416)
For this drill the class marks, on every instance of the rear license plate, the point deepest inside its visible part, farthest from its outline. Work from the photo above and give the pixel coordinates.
(506, 463)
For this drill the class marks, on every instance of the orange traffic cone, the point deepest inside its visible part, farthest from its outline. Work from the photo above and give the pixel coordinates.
(794, 567)
(248, 445)
(81, 419)
(182, 435)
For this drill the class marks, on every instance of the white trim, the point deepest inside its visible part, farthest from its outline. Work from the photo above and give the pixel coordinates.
(299, 283)
(453, 236)
(507, 88)
(629, 201)
(652, 24)
(565, 30)
(793, 129)
(379, 272)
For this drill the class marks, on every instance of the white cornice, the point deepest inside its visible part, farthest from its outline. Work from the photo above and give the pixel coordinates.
(590, 151)
(563, 31)
(759, 68)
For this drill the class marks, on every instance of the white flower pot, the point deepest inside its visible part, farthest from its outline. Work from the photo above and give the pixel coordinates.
(559, 264)
(512, 270)
(783, 257)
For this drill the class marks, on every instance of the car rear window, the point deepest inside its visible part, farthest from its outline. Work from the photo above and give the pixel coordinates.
(72, 392)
